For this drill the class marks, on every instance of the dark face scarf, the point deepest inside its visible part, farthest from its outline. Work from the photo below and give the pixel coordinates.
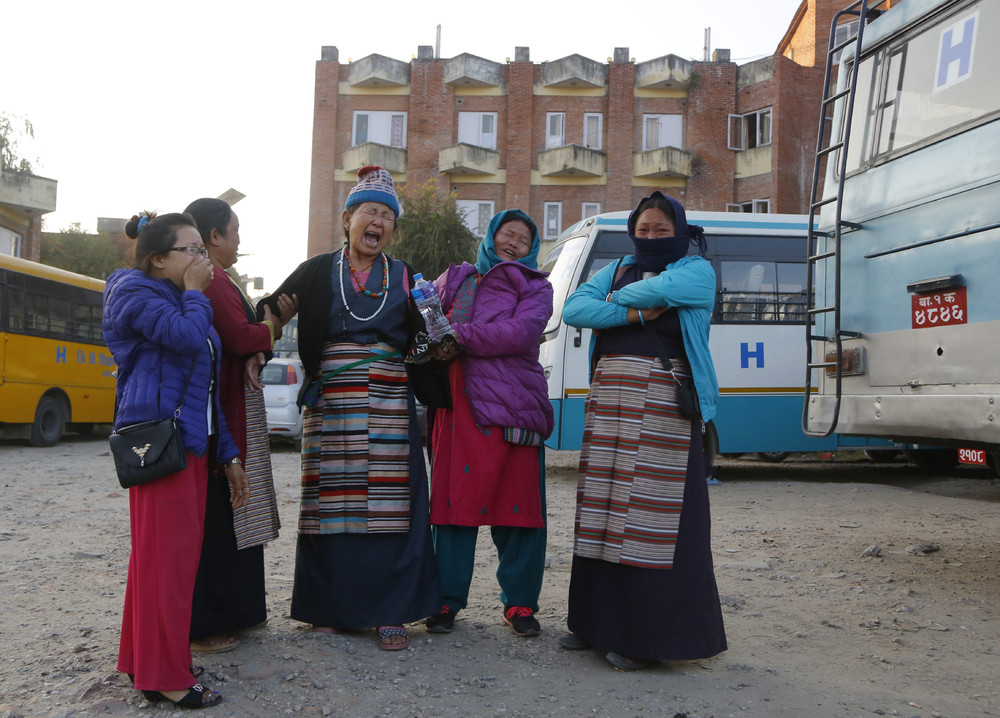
(654, 254)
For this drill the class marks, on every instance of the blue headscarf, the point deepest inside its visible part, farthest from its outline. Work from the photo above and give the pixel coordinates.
(487, 257)
(654, 254)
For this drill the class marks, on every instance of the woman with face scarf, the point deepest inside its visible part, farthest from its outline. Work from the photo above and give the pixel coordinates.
(642, 587)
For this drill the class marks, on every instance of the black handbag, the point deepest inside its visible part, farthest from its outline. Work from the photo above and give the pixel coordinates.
(147, 451)
(150, 449)
(687, 395)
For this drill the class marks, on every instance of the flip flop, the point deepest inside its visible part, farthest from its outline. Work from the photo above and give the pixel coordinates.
(323, 629)
(624, 663)
(387, 632)
(206, 647)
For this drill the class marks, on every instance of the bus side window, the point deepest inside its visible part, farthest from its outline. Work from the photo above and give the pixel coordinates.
(791, 292)
(36, 318)
(748, 292)
(15, 310)
(60, 319)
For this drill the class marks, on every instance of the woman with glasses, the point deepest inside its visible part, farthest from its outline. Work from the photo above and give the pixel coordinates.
(229, 591)
(488, 457)
(642, 586)
(157, 323)
(363, 556)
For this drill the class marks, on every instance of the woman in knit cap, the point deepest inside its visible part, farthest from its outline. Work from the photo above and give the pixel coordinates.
(642, 586)
(364, 556)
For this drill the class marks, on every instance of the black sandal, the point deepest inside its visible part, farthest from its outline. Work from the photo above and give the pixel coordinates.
(196, 672)
(198, 696)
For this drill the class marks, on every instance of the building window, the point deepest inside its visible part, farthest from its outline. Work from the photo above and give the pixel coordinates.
(589, 209)
(553, 220)
(555, 129)
(478, 128)
(757, 206)
(844, 32)
(10, 243)
(661, 131)
(383, 128)
(476, 213)
(592, 126)
(750, 130)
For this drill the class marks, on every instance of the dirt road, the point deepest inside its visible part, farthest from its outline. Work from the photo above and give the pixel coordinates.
(816, 628)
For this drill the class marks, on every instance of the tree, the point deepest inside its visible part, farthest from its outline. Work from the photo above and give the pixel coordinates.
(13, 129)
(431, 233)
(95, 255)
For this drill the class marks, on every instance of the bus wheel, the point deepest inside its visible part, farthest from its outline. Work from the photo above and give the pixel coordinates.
(49, 419)
(933, 459)
(773, 457)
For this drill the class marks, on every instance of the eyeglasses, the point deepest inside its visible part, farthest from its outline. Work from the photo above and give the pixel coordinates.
(190, 249)
(385, 215)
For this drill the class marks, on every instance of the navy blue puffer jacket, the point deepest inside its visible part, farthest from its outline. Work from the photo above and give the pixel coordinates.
(158, 336)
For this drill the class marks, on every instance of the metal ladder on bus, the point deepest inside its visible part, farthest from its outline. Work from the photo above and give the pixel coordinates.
(859, 9)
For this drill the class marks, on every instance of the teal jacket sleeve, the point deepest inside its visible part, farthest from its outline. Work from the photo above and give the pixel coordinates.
(689, 282)
(588, 307)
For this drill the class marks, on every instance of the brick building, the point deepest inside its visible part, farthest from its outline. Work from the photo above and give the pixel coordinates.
(24, 198)
(566, 139)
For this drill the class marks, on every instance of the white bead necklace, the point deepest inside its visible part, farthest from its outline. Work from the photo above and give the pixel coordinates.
(385, 294)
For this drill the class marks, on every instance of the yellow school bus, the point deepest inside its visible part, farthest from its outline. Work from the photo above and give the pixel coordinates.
(54, 366)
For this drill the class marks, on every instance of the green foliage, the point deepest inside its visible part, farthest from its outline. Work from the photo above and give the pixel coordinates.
(431, 233)
(95, 255)
(13, 129)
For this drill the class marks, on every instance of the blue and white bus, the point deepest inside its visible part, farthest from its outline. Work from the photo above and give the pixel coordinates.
(905, 262)
(756, 336)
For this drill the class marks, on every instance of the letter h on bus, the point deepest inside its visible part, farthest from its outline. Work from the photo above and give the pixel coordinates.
(746, 355)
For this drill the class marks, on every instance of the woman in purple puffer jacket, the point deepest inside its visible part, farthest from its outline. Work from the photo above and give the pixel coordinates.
(488, 463)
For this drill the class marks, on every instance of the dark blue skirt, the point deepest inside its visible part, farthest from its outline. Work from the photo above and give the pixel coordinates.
(229, 591)
(653, 614)
(358, 581)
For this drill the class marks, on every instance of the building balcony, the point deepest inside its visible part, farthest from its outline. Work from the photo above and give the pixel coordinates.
(378, 71)
(372, 153)
(662, 162)
(465, 159)
(753, 162)
(27, 193)
(574, 71)
(663, 73)
(572, 161)
(470, 71)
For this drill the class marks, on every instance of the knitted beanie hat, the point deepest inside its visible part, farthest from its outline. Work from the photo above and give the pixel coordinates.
(374, 185)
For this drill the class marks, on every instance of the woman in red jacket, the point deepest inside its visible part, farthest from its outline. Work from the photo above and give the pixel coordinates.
(229, 591)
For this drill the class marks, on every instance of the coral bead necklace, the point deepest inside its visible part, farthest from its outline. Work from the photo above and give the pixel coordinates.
(384, 293)
(357, 281)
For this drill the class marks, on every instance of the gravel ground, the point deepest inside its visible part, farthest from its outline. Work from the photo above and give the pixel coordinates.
(816, 627)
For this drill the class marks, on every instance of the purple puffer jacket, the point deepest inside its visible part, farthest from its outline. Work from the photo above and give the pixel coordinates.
(503, 379)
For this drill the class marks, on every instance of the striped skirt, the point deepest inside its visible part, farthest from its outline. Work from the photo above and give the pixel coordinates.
(257, 522)
(632, 464)
(355, 446)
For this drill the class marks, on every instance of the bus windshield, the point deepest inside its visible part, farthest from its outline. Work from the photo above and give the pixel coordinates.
(560, 264)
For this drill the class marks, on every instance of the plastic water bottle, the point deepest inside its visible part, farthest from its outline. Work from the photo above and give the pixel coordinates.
(429, 303)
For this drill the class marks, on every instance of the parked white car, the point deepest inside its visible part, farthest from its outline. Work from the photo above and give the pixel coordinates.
(282, 380)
